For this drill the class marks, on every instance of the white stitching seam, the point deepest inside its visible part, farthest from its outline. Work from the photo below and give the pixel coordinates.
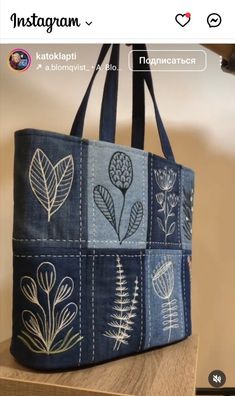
(141, 302)
(93, 305)
(85, 255)
(80, 305)
(90, 241)
(80, 206)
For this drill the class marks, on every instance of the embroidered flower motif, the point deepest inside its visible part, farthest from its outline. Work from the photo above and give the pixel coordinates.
(173, 199)
(165, 178)
(121, 175)
(42, 328)
(167, 200)
(163, 284)
(160, 198)
(121, 171)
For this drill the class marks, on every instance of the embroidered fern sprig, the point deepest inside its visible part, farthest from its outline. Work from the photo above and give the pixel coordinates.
(123, 315)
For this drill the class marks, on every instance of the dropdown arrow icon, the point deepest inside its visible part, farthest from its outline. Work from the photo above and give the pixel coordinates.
(88, 23)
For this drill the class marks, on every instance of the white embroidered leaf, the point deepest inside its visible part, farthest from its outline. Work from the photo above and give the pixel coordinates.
(31, 323)
(42, 179)
(160, 224)
(67, 315)
(123, 310)
(64, 171)
(136, 216)
(104, 201)
(64, 290)
(29, 289)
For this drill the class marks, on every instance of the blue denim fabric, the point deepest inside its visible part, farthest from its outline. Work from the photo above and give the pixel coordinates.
(186, 285)
(101, 233)
(36, 315)
(164, 179)
(187, 194)
(90, 248)
(114, 320)
(164, 297)
(68, 225)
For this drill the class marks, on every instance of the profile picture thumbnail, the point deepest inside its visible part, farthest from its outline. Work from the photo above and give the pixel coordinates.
(19, 59)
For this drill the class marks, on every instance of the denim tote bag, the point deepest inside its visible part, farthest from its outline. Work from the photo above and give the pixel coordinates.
(102, 237)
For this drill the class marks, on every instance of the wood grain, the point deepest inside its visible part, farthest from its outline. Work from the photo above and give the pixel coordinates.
(170, 371)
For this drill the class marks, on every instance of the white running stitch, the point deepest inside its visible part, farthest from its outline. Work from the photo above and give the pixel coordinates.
(179, 206)
(83, 255)
(184, 298)
(80, 304)
(143, 195)
(141, 303)
(149, 308)
(93, 203)
(180, 260)
(80, 203)
(93, 240)
(93, 305)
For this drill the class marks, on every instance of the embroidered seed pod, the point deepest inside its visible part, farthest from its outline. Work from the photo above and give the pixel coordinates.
(121, 171)
(163, 280)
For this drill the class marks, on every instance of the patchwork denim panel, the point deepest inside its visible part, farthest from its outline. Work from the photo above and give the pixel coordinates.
(164, 297)
(186, 210)
(48, 307)
(164, 204)
(116, 308)
(117, 196)
(186, 284)
(50, 199)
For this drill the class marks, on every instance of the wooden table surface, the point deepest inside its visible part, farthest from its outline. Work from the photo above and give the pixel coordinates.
(170, 371)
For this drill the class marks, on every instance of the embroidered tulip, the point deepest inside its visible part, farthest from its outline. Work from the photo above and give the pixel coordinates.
(121, 171)
(165, 178)
(163, 280)
(160, 198)
(173, 199)
(46, 276)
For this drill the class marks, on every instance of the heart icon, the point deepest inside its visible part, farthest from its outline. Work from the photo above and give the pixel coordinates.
(183, 19)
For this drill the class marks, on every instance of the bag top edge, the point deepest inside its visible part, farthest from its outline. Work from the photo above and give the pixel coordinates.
(64, 136)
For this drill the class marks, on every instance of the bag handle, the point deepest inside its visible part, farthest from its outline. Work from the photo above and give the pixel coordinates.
(109, 101)
(138, 112)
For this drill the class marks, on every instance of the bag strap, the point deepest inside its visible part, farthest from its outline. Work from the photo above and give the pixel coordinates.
(138, 112)
(109, 101)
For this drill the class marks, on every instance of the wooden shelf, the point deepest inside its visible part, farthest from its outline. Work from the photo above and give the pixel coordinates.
(170, 371)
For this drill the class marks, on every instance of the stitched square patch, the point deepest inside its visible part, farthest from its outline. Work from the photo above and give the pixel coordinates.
(164, 204)
(49, 301)
(115, 306)
(117, 197)
(50, 190)
(164, 297)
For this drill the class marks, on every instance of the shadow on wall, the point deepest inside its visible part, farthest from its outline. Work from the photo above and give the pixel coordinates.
(213, 239)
